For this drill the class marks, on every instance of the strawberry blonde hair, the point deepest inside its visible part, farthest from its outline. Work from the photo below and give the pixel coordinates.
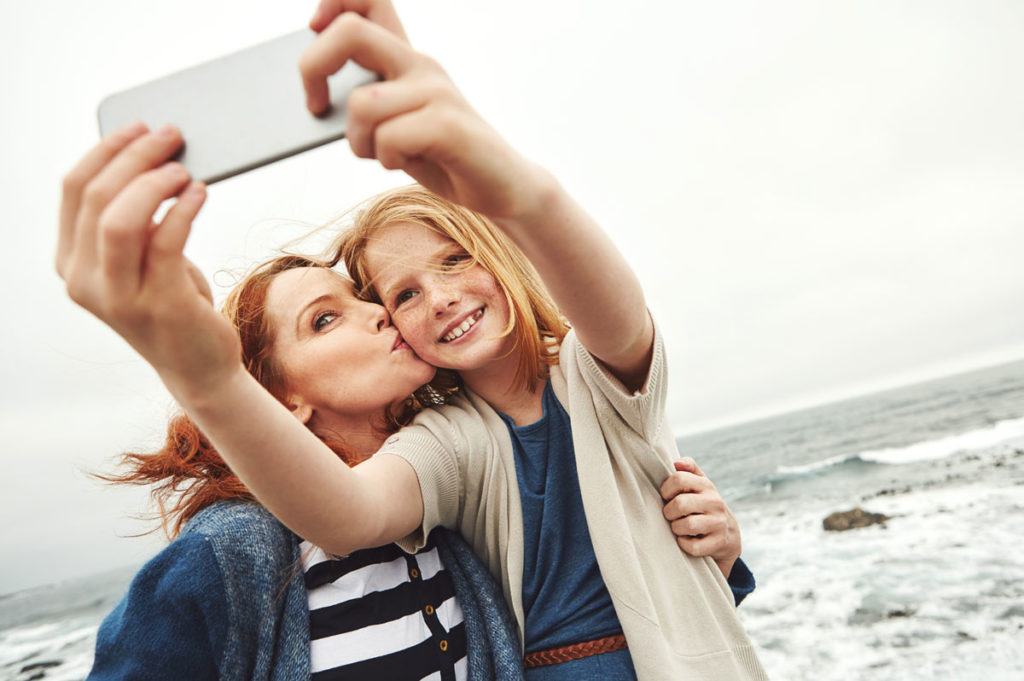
(187, 473)
(535, 323)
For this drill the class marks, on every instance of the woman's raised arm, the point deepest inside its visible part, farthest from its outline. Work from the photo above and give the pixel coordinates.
(132, 274)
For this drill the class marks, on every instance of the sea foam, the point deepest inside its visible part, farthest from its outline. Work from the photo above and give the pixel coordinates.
(928, 450)
(982, 438)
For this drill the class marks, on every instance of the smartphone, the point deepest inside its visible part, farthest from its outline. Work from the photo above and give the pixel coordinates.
(238, 112)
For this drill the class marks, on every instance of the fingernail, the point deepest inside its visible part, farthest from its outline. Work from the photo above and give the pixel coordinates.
(167, 131)
(174, 169)
(195, 189)
(313, 103)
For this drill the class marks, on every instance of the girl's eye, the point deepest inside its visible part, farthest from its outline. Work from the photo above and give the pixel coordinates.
(452, 260)
(322, 320)
(404, 296)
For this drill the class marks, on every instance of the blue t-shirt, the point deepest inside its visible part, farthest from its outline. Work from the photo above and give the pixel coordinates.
(565, 599)
(564, 596)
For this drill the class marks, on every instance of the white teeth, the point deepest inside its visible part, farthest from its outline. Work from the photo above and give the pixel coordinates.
(462, 328)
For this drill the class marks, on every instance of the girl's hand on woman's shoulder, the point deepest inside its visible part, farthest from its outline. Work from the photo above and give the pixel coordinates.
(699, 517)
(129, 270)
(415, 119)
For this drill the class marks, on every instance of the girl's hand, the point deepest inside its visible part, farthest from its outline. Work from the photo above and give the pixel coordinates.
(380, 12)
(414, 120)
(700, 518)
(129, 270)
(417, 121)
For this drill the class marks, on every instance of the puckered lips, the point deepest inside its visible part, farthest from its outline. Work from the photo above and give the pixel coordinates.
(460, 327)
(400, 343)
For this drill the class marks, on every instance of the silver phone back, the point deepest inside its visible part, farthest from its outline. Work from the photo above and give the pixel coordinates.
(238, 112)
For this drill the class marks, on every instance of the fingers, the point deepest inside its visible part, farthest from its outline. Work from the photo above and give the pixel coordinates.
(424, 133)
(199, 281)
(350, 36)
(698, 525)
(124, 226)
(682, 482)
(164, 255)
(142, 154)
(76, 180)
(370, 105)
(700, 546)
(171, 235)
(687, 465)
(380, 12)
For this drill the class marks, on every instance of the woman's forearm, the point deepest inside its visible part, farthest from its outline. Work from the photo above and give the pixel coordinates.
(296, 476)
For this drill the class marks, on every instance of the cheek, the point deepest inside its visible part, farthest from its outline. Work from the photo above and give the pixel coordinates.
(496, 295)
(411, 327)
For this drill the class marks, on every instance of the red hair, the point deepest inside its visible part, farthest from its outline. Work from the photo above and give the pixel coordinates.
(187, 473)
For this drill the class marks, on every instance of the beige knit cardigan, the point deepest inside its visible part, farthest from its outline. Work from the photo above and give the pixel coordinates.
(676, 611)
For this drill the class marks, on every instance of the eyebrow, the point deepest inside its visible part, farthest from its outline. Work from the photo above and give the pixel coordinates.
(302, 313)
(439, 253)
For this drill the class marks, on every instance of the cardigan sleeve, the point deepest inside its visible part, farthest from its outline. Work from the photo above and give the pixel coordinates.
(741, 581)
(430, 445)
(643, 411)
(172, 623)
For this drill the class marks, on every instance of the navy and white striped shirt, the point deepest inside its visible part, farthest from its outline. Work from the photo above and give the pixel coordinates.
(383, 614)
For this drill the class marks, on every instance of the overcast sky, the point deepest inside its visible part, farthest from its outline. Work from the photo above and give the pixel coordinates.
(820, 199)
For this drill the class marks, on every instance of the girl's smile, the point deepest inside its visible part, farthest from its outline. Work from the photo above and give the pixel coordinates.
(458, 330)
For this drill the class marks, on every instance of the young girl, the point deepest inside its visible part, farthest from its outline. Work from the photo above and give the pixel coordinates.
(457, 467)
(466, 299)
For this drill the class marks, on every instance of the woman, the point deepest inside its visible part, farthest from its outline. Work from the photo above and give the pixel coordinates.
(238, 596)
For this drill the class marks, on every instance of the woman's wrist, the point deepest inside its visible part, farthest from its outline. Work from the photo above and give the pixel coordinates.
(209, 395)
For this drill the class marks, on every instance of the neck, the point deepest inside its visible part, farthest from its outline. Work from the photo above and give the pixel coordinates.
(361, 439)
(496, 384)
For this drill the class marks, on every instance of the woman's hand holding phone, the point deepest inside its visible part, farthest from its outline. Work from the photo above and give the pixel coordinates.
(130, 271)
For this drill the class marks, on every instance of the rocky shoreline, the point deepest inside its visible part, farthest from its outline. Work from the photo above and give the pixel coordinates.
(964, 469)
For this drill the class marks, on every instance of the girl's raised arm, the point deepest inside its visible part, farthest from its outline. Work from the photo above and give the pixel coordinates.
(416, 120)
(131, 273)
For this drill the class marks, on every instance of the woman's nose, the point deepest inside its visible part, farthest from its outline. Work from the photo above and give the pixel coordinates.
(380, 317)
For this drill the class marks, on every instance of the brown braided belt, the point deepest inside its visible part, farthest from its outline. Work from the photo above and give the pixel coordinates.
(576, 651)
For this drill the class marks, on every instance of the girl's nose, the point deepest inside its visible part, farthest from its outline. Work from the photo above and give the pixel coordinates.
(442, 297)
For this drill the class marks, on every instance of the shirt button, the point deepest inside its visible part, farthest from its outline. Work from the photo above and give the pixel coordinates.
(414, 573)
(429, 610)
(444, 645)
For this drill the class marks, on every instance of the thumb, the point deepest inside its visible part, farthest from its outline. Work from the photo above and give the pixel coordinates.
(199, 280)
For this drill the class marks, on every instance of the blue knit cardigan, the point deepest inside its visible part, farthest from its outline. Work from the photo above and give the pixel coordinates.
(226, 601)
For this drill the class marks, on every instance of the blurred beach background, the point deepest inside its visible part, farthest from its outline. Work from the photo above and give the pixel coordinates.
(936, 591)
(822, 201)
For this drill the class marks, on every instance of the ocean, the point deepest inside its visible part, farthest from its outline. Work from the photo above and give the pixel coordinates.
(934, 592)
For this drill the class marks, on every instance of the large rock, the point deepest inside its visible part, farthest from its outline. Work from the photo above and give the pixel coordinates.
(848, 520)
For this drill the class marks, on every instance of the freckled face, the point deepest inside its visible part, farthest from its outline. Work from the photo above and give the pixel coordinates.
(340, 355)
(452, 315)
